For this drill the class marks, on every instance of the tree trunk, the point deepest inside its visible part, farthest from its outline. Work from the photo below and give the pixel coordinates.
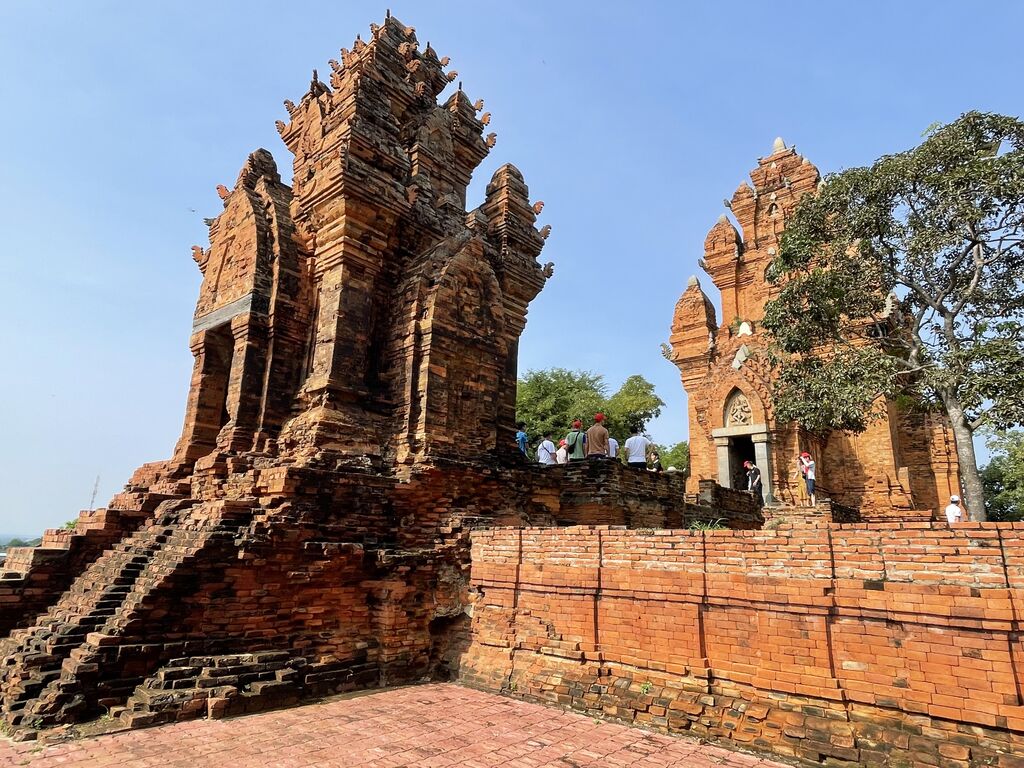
(969, 474)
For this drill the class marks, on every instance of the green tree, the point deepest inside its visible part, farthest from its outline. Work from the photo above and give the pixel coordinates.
(633, 406)
(677, 456)
(549, 400)
(1003, 477)
(904, 279)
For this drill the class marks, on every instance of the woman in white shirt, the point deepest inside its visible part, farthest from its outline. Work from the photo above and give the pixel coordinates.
(562, 454)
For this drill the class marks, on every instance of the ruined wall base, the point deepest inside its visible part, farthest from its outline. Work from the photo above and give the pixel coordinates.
(879, 645)
(808, 730)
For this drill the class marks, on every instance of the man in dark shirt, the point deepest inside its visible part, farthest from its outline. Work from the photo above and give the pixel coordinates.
(753, 478)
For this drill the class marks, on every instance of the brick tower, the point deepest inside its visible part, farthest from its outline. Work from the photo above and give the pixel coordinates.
(904, 461)
(351, 411)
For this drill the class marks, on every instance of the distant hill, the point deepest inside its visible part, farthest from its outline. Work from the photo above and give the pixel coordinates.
(18, 540)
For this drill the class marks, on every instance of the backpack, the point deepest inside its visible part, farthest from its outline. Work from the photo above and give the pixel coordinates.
(573, 441)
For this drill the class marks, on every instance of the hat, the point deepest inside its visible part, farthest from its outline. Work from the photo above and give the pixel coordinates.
(954, 499)
(562, 442)
(747, 464)
(805, 455)
(577, 424)
(598, 417)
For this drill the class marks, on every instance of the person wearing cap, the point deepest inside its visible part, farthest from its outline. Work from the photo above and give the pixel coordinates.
(753, 478)
(576, 441)
(955, 513)
(546, 451)
(807, 467)
(597, 439)
(562, 454)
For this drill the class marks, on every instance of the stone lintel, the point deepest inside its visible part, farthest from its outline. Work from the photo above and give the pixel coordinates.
(248, 303)
(746, 429)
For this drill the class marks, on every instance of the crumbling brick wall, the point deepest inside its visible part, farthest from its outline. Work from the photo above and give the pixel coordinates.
(881, 644)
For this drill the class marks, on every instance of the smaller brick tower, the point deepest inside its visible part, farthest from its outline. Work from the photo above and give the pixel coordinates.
(903, 462)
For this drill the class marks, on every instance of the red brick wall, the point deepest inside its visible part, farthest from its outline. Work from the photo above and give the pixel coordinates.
(883, 644)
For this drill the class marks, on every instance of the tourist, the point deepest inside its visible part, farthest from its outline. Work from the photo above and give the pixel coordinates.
(521, 438)
(655, 462)
(807, 466)
(546, 451)
(597, 439)
(576, 441)
(753, 478)
(562, 454)
(613, 447)
(955, 513)
(637, 447)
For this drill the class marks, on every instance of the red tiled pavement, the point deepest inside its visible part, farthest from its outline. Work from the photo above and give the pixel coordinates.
(424, 726)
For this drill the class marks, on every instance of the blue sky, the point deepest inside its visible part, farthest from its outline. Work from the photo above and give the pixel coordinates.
(631, 121)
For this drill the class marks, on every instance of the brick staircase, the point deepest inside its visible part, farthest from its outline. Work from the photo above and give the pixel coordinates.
(33, 578)
(102, 666)
(34, 655)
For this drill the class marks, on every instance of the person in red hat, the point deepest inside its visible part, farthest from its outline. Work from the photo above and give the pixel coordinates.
(576, 442)
(597, 439)
(562, 454)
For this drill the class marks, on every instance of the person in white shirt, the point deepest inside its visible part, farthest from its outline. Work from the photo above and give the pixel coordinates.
(954, 512)
(807, 468)
(637, 447)
(562, 454)
(613, 447)
(546, 451)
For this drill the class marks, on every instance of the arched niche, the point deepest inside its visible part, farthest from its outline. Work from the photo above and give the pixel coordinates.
(737, 411)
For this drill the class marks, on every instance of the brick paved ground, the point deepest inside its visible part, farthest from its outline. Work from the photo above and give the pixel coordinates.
(429, 725)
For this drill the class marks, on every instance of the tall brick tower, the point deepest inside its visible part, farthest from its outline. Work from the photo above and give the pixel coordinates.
(351, 405)
(904, 461)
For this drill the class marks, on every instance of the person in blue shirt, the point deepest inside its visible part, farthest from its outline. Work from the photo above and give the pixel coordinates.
(521, 438)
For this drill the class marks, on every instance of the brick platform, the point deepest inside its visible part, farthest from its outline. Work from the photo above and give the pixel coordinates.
(430, 725)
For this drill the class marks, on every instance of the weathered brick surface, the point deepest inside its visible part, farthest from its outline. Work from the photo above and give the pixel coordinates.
(850, 645)
(350, 417)
(904, 465)
(34, 577)
(348, 442)
(422, 726)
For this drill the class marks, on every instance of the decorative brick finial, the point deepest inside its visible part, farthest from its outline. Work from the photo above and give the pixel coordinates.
(778, 145)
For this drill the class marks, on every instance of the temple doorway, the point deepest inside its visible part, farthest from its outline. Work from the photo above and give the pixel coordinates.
(741, 449)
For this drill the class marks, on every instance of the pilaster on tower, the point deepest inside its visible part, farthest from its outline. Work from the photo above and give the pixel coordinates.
(511, 223)
(694, 327)
(723, 254)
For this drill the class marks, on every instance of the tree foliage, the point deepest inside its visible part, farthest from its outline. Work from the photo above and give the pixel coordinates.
(1003, 477)
(905, 278)
(632, 407)
(677, 456)
(548, 401)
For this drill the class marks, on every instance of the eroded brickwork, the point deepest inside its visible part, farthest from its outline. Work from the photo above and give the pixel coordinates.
(903, 467)
(890, 645)
(349, 420)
